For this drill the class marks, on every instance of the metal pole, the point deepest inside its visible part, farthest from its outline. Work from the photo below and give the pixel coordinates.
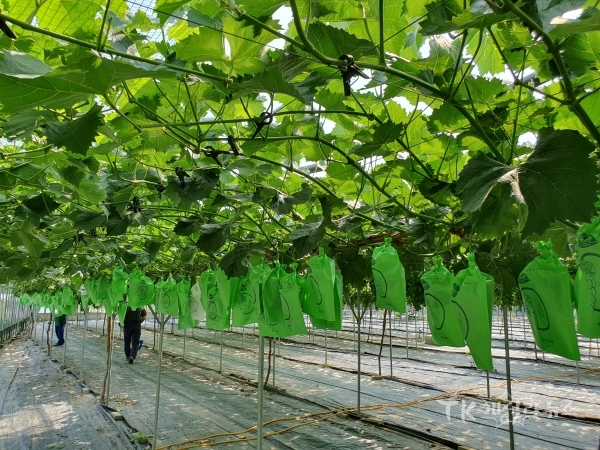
(243, 334)
(261, 381)
(354, 334)
(487, 378)
(274, 349)
(65, 344)
(325, 346)
(184, 336)
(221, 359)
(407, 332)
(577, 366)
(111, 336)
(160, 351)
(83, 344)
(391, 355)
(358, 379)
(97, 318)
(508, 381)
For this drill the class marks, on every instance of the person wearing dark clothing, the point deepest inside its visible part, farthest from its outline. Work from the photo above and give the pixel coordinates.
(59, 328)
(132, 329)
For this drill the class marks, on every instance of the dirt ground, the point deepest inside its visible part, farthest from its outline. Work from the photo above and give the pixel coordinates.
(437, 396)
(41, 407)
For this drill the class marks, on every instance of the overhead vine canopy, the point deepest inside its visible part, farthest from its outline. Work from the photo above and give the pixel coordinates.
(167, 134)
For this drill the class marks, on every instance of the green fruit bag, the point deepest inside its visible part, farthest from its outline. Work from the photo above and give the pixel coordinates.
(546, 289)
(470, 299)
(587, 280)
(390, 281)
(319, 299)
(443, 323)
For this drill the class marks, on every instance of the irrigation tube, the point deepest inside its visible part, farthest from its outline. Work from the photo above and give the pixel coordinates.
(83, 344)
(261, 377)
(511, 431)
(160, 351)
(111, 338)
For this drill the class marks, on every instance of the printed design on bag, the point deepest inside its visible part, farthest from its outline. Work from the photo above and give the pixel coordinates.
(535, 305)
(248, 297)
(586, 240)
(167, 299)
(462, 319)
(316, 290)
(380, 283)
(425, 284)
(142, 291)
(285, 306)
(211, 307)
(436, 308)
(194, 305)
(589, 270)
(523, 278)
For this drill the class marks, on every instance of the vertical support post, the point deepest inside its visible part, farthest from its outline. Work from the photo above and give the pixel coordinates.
(243, 334)
(64, 363)
(261, 382)
(354, 333)
(160, 353)
(85, 313)
(274, 351)
(508, 380)
(184, 337)
(407, 332)
(111, 337)
(326, 346)
(391, 354)
(577, 367)
(221, 358)
(358, 379)
(487, 379)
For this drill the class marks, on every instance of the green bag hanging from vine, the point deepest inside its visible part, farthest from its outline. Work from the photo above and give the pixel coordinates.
(141, 290)
(207, 281)
(166, 298)
(289, 290)
(217, 308)
(197, 310)
(443, 323)
(69, 302)
(336, 324)
(271, 322)
(247, 298)
(319, 298)
(184, 300)
(389, 277)
(587, 280)
(118, 284)
(102, 288)
(470, 298)
(546, 289)
(121, 311)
